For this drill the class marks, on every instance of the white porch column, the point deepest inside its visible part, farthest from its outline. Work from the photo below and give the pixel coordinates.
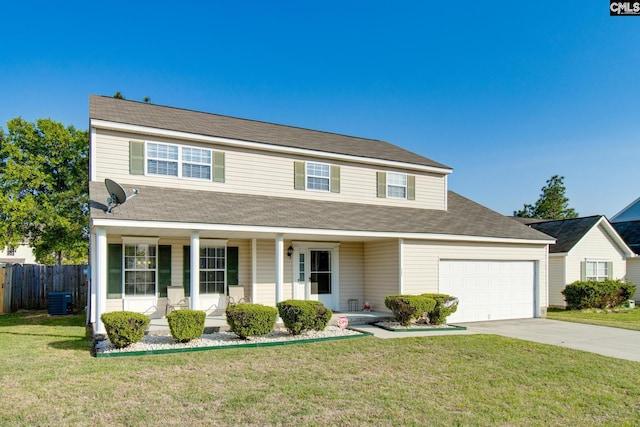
(254, 270)
(401, 266)
(195, 271)
(279, 266)
(100, 284)
(91, 298)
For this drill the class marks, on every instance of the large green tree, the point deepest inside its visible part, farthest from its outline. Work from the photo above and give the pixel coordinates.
(552, 204)
(44, 189)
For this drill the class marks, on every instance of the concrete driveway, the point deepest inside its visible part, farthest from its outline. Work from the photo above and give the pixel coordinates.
(613, 342)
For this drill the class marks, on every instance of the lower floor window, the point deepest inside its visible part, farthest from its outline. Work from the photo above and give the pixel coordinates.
(597, 270)
(139, 269)
(212, 270)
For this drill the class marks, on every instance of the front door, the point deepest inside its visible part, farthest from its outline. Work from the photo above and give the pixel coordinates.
(320, 276)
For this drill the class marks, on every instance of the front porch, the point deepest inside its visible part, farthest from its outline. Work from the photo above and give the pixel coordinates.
(218, 323)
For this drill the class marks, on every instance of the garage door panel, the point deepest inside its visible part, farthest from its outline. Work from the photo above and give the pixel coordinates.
(489, 290)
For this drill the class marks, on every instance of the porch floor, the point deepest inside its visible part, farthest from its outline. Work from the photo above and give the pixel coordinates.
(218, 323)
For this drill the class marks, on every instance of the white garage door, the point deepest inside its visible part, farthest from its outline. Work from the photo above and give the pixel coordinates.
(489, 290)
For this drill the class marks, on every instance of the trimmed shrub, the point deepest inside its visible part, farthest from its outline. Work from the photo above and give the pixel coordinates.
(445, 305)
(597, 294)
(124, 327)
(186, 325)
(247, 320)
(299, 316)
(406, 308)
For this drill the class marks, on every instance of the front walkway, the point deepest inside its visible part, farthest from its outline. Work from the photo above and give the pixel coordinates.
(219, 322)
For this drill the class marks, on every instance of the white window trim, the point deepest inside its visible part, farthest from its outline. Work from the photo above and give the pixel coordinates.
(214, 243)
(406, 190)
(180, 161)
(151, 241)
(597, 277)
(307, 176)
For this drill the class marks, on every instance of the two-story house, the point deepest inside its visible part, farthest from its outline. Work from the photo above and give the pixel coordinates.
(287, 213)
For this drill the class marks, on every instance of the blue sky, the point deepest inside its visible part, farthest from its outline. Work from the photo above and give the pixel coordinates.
(506, 93)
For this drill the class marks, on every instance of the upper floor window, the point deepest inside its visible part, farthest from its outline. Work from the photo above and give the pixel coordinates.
(597, 270)
(171, 160)
(175, 160)
(196, 163)
(11, 251)
(397, 185)
(162, 159)
(318, 176)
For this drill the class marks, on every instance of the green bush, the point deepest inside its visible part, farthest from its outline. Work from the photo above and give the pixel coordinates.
(406, 308)
(597, 294)
(124, 327)
(186, 325)
(246, 320)
(299, 316)
(445, 305)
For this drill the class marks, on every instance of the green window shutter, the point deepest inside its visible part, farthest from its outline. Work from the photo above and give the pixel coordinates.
(186, 270)
(583, 270)
(610, 270)
(114, 270)
(164, 269)
(218, 166)
(298, 175)
(382, 184)
(136, 158)
(411, 187)
(335, 179)
(232, 266)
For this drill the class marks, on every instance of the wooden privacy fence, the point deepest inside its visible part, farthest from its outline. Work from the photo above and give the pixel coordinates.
(27, 286)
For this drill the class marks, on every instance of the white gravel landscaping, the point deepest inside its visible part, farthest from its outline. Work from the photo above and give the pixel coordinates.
(219, 339)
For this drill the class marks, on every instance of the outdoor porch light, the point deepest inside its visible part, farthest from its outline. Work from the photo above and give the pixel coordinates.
(290, 251)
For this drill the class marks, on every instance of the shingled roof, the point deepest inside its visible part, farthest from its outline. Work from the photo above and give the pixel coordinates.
(567, 232)
(464, 217)
(630, 233)
(176, 119)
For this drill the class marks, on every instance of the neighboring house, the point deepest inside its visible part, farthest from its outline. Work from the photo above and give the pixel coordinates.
(290, 213)
(587, 248)
(21, 254)
(627, 224)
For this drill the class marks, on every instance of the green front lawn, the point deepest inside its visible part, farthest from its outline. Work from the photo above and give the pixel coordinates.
(625, 319)
(49, 378)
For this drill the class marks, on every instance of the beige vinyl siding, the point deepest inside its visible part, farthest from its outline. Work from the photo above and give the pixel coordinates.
(266, 273)
(351, 273)
(557, 280)
(422, 259)
(264, 173)
(381, 272)
(595, 245)
(633, 275)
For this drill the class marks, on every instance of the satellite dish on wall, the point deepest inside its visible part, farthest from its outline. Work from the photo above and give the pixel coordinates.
(117, 195)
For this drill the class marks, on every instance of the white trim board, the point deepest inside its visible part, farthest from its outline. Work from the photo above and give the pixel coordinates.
(103, 222)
